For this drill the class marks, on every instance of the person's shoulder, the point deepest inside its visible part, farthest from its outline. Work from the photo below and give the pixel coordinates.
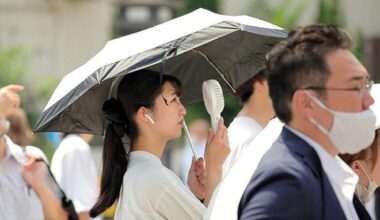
(150, 180)
(242, 129)
(73, 143)
(146, 172)
(35, 152)
(282, 183)
(280, 160)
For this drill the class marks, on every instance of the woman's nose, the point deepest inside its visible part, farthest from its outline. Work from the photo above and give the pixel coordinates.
(182, 110)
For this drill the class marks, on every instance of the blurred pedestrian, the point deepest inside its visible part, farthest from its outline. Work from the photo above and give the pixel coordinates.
(253, 117)
(24, 191)
(75, 170)
(366, 164)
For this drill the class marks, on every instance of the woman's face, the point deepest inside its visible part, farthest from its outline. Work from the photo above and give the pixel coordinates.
(168, 113)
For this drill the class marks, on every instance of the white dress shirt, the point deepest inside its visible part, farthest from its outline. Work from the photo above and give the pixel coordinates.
(241, 131)
(341, 176)
(17, 200)
(151, 191)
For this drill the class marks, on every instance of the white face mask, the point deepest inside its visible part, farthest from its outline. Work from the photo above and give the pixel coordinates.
(363, 193)
(351, 132)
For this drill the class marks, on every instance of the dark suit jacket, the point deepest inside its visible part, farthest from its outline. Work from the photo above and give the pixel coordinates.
(289, 183)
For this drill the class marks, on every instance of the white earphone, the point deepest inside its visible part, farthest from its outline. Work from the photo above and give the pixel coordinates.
(149, 118)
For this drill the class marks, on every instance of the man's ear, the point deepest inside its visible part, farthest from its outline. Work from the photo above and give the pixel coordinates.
(302, 103)
(355, 167)
(259, 85)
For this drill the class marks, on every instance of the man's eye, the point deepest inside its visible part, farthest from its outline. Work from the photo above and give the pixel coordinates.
(174, 100)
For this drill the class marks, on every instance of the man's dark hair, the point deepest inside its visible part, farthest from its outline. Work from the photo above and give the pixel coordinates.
(299, 62)
(245, 90)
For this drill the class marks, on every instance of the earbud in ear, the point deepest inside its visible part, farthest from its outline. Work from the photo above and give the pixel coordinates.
(149, 118)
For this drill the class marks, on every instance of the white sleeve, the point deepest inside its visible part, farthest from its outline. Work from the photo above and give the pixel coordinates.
(79, 179)
(36, 152)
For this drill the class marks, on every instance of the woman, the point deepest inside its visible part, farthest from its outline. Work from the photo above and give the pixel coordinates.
(366, 164)
(145, 115)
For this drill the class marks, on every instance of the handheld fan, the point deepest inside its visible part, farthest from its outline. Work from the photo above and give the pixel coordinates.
(214, 100)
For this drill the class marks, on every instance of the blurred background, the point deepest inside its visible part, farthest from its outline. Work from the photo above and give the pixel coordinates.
(42, 40)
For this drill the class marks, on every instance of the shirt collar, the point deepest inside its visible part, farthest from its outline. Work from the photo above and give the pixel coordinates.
(335, 168)
(250, 122)
(13, 150)
(144, 155)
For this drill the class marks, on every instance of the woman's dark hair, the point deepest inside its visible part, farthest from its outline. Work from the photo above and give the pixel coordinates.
(299, 62)
(138, 89)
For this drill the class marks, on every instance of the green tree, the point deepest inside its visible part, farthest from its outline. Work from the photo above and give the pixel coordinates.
(191, 5)
(14, 69)
(330, 12)
(13, 65)
(286, 14)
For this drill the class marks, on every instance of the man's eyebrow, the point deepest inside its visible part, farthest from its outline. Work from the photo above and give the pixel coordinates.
(358, 78)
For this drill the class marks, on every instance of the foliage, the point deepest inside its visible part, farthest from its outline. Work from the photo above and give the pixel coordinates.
(359, 43)
(330, 12)
(285, 15)
(13, 65)
(191, 5)
(14, 69)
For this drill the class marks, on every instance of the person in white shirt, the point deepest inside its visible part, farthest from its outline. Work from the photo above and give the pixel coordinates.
(146, 113)
(75, 170)
(252, 118)
(24, 191)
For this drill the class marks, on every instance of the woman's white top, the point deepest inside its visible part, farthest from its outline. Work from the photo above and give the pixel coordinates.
(151, 191)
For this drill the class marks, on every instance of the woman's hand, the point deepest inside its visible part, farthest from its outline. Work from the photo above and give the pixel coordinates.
(9, 98)
(33, 171)
(197, 178)
(217, 150)
(217, 147)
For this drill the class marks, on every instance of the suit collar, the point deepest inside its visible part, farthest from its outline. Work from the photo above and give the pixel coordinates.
(303, 149)
(360, 209)
(310, 157)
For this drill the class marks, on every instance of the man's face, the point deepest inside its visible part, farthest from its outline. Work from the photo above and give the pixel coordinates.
(347, 72)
